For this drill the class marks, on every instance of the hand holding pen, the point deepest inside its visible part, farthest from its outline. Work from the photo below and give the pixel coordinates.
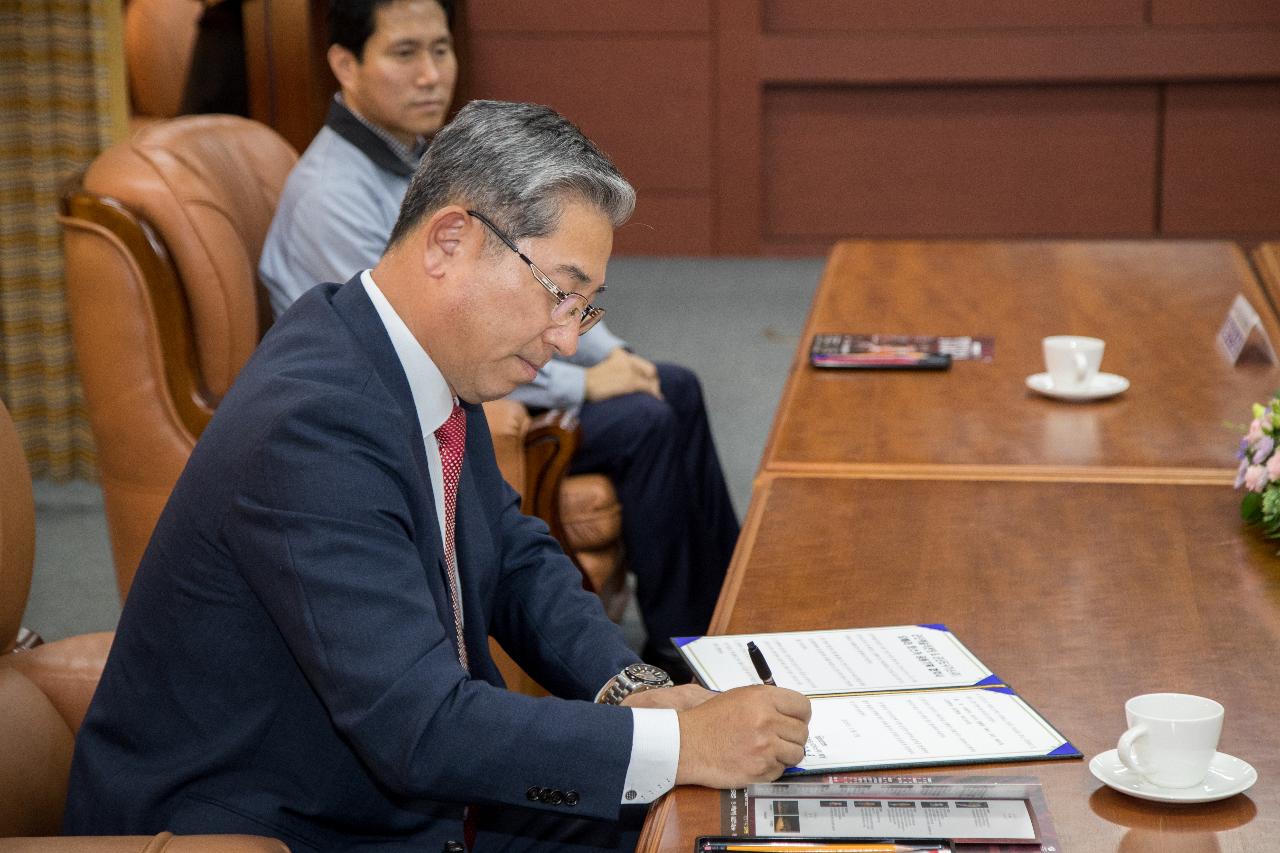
(745, 735)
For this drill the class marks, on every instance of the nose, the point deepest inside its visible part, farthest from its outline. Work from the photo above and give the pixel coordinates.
(563, 338)
(429, 72)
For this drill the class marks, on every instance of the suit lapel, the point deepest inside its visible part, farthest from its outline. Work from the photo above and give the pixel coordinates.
(352, 304)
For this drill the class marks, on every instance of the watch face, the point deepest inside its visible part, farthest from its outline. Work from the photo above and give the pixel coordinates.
(643, 673)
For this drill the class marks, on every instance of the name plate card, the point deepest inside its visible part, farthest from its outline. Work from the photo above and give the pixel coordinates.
(1241, 326)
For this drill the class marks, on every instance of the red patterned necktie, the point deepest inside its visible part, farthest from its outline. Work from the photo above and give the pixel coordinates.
(451, 437)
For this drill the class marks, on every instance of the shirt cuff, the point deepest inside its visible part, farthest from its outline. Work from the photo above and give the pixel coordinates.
(655, 754)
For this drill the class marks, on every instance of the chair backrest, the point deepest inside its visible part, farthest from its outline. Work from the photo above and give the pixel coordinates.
(163, 236)
(158, 38)
(17, 532)
(43, 692)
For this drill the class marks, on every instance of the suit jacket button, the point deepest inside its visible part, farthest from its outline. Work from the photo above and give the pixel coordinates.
(570, 798)
(534, 793)
(556, 798)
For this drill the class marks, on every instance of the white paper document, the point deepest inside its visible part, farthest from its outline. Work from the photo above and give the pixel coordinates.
(901, 696)
(904, 657)
(925, 728)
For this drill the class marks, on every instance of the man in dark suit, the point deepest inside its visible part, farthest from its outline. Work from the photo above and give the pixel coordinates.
(303, 651)
(643, 424)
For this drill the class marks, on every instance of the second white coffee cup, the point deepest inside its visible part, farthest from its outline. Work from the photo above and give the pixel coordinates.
(1072, 360)
(1172, 737)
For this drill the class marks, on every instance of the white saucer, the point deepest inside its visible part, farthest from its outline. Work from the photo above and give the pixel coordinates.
(1227, 777)
(1103, 385)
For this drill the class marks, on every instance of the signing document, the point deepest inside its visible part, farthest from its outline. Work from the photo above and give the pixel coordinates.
(902, 696)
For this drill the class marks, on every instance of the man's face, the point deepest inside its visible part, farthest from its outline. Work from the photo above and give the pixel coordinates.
(503, 330)
(404, 82)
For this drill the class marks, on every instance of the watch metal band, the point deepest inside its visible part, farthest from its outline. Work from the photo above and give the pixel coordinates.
(636, 678)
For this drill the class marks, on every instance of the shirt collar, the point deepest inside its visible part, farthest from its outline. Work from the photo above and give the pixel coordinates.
(373, 141)
(431, 395)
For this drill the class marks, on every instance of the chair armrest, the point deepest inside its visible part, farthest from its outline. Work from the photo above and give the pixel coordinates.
(549, 445)
(508, 425)
(534, 455)
(67, 671)
(215, 844)
(165, 842)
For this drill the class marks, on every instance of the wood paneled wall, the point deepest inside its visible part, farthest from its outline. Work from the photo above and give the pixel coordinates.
(776, 126)
(638, 78)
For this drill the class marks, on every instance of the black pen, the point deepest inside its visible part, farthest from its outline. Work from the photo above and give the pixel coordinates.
(761, 665)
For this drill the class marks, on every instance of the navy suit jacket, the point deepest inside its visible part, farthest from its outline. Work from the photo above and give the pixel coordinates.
(285, 662)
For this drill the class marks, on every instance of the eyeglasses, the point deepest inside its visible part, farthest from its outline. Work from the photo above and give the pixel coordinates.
(570, 307)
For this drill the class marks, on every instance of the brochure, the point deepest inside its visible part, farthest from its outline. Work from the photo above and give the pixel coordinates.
(989, 813)
(901, 352)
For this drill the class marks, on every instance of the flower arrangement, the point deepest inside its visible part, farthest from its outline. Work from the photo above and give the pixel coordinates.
(1259, 470)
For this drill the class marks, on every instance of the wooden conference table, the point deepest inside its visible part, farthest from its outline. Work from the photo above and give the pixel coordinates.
(1266, 258)
(1158, 305)
(1085, 552)
(1079, 595)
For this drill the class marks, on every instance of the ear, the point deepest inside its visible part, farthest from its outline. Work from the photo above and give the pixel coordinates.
(451, 238)
(343, 63)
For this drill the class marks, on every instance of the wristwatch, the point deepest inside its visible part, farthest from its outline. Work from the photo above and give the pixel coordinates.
(636, 678)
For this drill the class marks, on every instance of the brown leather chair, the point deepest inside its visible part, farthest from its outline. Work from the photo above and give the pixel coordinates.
(592, 521)
(582, 510)
(17, 539)
(162, 239)
(67, 670)
(163, 233)
(44, 693)
(159, 35)
(158, 38)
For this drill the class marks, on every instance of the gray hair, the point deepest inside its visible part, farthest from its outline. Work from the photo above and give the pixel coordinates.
(517, 164)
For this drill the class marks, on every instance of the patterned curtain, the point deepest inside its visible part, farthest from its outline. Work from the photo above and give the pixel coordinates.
(61, 102)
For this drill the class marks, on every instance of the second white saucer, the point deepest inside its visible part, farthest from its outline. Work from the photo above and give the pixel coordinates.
(1103, 385)
(1227, 777)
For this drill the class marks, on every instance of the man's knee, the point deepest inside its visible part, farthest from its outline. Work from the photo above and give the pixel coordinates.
(650, 418)
(680, 387)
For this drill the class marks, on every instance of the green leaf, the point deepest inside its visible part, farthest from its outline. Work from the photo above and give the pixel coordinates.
(1251, 508)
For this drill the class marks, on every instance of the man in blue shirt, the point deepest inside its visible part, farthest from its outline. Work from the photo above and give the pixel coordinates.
(643, 424)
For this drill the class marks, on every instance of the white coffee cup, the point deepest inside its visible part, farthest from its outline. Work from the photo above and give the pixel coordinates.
(1172, 737)
(1072, 360)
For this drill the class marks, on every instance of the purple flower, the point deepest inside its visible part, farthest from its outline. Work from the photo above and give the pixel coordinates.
(1244, 466)
(1263, 449)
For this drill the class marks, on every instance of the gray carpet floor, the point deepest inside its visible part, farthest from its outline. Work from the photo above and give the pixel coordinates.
(736, 322)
